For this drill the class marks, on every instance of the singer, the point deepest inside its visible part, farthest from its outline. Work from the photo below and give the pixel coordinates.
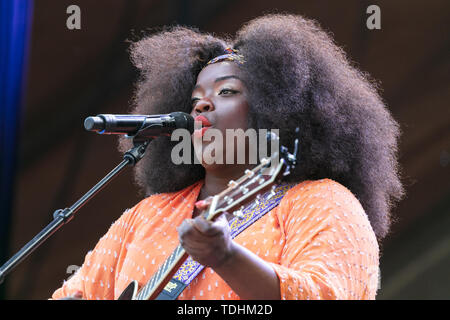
(321, 241)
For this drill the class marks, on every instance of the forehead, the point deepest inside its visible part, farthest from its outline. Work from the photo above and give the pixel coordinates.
(213, 71)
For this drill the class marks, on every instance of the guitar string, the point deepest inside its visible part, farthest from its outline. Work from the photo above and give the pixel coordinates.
(252, 181)
(169, 261)
(155, 279)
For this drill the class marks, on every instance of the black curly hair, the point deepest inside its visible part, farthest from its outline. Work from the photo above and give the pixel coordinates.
(296, 77)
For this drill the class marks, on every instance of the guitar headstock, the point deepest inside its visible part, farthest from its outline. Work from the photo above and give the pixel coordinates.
(260, 178)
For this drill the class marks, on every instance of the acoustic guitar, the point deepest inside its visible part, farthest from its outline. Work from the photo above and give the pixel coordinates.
(261, 178)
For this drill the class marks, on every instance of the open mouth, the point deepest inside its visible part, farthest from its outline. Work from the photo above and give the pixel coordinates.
(205, 126)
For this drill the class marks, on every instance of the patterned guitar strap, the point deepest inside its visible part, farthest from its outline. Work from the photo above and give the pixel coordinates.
(190, 268)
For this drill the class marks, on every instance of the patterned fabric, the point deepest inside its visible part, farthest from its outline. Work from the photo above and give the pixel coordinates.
(318, 240)
(231, 55)
(189, 270)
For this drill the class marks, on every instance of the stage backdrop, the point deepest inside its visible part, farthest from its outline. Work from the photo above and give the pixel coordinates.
(79, 68)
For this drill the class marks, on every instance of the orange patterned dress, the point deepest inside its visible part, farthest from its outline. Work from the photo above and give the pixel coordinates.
(318, 240)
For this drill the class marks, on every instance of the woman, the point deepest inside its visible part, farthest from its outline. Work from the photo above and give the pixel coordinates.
(322, 240)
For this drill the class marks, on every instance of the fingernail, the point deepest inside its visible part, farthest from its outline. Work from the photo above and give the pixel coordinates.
(199, 204)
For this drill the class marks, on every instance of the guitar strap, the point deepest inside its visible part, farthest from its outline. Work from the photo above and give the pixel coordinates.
(190, 268)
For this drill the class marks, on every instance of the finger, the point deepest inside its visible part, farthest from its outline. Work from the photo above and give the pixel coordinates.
(219, 226)
(191, 232)
(186, 228)
(228, 216)
(181, 229)
(222, 223)
(203, 204)
(223, 218)
(204, 226)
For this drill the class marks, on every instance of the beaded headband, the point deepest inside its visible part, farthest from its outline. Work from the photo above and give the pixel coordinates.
(231, 55)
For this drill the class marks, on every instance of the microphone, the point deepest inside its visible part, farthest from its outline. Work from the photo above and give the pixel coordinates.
(130, 124)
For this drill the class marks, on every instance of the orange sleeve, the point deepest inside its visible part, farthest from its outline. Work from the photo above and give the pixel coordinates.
(96, 277)
(330, 249)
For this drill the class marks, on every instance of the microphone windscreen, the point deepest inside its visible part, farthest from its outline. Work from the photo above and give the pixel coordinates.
(183, 120)
(94, 124)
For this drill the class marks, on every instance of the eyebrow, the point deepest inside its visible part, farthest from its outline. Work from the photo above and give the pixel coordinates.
(221, 79)
(226, 77)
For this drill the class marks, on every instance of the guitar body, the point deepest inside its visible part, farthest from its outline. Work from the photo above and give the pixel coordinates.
(130, 291)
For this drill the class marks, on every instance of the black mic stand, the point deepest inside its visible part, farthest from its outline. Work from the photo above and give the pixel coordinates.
(63, 216)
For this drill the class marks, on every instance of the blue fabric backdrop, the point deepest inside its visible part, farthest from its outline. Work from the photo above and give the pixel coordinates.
(15, 27)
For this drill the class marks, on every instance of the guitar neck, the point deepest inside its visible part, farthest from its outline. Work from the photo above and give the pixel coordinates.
(253, 181)
(164, 274)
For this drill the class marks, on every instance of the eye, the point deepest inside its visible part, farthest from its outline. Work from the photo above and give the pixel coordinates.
(227, 91)
(194, 100)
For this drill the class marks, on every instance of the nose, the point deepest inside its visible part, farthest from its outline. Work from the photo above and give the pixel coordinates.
(203, 106)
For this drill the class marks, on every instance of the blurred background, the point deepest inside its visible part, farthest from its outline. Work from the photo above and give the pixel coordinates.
(53, 77)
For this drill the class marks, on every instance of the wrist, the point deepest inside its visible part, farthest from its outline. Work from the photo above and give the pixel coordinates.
(229, 257)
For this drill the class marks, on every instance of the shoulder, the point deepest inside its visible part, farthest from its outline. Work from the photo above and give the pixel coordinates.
(160, 199)
(316, 185)
(324, 198)
(154, 203)
(328, 202)
(319, 190)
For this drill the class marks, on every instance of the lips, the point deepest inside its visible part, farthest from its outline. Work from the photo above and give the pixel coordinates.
(205, 122)
(205, 125)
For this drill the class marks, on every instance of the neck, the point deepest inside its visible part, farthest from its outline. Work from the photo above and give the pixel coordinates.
(217, 180)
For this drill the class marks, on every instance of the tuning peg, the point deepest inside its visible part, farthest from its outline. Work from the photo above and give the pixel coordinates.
(238, 213)
(265, 161)
(228, 200)
(249, 173)
(291, 158)
(271, 136)
(232, 183)
(295, 150)
(243, 189)
(256, 202)
(272, 193)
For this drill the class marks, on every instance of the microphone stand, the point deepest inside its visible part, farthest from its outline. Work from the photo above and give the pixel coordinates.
(63, 216)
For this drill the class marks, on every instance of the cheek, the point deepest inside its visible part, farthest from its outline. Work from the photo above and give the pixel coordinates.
(237, 116)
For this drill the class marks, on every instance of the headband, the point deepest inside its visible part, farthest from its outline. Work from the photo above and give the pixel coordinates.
(231, 55)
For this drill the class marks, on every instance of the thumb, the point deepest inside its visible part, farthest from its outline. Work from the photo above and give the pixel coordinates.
(221, 222)
(222, 219)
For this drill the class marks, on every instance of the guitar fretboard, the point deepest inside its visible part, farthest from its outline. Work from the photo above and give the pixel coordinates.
(161, 274)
